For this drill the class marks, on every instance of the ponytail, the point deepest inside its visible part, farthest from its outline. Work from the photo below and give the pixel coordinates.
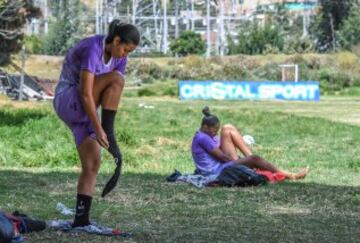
(127, 33)
(209, 119)
(206, 111)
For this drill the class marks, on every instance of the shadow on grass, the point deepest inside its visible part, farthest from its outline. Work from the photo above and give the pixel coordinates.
(157, 211)
(18, 117)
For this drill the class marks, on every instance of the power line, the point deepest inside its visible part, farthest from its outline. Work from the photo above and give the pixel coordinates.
(212, 19)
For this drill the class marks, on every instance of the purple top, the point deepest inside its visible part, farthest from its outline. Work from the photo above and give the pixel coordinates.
(205, 163)
(88, 54)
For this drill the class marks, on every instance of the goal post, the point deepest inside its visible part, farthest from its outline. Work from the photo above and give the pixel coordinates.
(289, 72)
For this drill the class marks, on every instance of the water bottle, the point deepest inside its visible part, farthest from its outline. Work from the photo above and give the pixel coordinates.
(63, 209)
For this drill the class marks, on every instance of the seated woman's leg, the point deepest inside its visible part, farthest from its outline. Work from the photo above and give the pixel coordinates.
(256, 162)
(231, 140)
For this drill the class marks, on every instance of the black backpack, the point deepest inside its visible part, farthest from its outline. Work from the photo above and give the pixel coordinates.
(6, 229)
(240, 175)
(9, 223)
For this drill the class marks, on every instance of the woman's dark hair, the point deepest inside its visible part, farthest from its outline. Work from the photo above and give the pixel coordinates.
(127, 33)
(209, 119)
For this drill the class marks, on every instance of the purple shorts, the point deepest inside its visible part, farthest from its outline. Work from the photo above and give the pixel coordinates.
(69, 108)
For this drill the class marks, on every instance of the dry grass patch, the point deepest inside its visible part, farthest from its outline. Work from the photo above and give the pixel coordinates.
(273, 210)
(5, 102)
(165, 141)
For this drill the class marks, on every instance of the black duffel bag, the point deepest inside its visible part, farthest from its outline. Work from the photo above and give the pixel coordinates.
(240, 175)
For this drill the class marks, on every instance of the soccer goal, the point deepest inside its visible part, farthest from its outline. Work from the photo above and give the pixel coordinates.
(289, 72)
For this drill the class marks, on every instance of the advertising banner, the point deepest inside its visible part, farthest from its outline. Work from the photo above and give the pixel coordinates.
(247, 90)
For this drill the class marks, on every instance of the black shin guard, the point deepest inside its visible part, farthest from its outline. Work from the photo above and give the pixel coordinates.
(83, 205)
(107, 123)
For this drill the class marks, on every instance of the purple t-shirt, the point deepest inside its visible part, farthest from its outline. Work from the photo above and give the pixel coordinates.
(88, 54)
(201, 147)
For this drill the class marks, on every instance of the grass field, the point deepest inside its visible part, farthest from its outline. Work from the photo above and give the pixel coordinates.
(39, 167)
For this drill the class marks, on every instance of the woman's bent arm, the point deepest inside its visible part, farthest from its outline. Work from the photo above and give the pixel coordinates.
(219, 154)
(86, 93)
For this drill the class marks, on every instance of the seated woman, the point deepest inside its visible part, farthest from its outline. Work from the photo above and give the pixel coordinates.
(211, 154)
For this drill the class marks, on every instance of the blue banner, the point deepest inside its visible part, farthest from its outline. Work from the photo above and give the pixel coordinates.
(240, 90)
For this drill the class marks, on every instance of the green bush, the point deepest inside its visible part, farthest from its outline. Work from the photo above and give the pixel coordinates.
(334, 80)
(298, 58)
(146, 78)
(256, 39)
(234, 71)
(167, 72)
(33, 44)
(146, 92)
(152, 54)
(189, 42)
(356, 49)
(313, 63)
(209, 72)
(170, 91)
(179, 72)
(270, 71)
(145, 68)
(334, 72)
(65, 27)
(349, 33)
(195, 62)
(269, 49)
(347, 60)
(298, 44)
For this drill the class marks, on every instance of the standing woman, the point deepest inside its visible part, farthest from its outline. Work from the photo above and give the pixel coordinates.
(93, 75)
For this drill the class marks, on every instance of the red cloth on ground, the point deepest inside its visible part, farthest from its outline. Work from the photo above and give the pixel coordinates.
(271, 177)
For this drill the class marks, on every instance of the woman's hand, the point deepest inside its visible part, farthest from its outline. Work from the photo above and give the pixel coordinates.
(102, 138)
(220, 155)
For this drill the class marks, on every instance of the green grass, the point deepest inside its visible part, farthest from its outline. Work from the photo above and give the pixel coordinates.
(352, 92)
(39, 167)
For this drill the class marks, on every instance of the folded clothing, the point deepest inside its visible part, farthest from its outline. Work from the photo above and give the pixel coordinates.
(199, 181)
(93, 228)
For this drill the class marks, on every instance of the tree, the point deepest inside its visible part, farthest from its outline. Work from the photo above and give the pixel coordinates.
(279, 15)
(328, 21)
(349, 34)
(256, 39)
(298, 44)
(13, 16)
(188, 42)
(64, 28)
